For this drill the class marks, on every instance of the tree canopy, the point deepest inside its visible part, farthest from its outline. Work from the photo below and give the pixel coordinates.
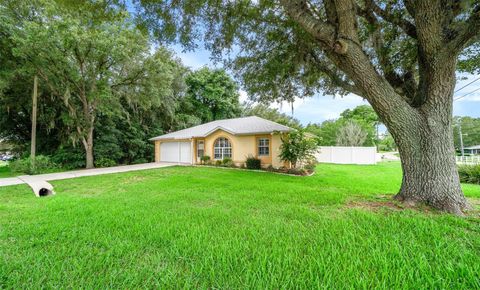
(92, 66)
(287, 49)
(211, 95)
(401, 56)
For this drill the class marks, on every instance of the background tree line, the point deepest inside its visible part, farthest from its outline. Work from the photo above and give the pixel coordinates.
(103, 89)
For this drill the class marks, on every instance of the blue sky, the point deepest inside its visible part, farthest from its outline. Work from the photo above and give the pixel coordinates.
(321, 108)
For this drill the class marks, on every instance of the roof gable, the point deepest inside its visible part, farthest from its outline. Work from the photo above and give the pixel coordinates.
(215, 130)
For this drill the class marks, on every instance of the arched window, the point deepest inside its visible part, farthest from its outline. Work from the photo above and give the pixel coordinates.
(222, 149)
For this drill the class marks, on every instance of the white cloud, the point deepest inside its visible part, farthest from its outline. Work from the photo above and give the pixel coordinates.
(243, 95)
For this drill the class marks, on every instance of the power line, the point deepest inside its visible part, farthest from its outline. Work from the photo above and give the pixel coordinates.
(456, 99)
(467, 85)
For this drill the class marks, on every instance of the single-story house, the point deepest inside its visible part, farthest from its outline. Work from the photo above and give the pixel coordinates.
(231, 138)
(472, 149)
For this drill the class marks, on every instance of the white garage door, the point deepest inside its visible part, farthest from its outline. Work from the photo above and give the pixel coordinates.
(176, 152)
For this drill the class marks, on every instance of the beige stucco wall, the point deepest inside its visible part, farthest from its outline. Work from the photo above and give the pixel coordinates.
(157, 151)
(245, 145)
(276, 143)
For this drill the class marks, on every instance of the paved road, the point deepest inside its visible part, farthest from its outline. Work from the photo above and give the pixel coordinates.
(85, 172)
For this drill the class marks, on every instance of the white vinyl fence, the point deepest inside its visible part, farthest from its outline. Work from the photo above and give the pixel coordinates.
(468, 159)
(347, 155)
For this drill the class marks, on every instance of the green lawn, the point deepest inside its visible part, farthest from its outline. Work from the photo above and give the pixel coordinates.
(191, 227)
(4, 170)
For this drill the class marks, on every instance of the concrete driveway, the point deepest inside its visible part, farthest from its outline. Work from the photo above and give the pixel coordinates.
(83, 172)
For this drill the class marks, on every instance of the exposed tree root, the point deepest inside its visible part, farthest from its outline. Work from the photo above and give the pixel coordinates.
(397, 203)
(458, 208)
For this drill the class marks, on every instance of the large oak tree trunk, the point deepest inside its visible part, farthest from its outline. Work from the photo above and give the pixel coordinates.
(422, 129)
(424, 136)
(429, 169)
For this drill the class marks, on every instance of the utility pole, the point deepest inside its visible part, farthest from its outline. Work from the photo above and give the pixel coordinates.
(34, 121)
(461, 137)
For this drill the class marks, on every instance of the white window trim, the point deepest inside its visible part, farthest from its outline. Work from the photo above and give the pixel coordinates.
(222, 149)
(263, 146)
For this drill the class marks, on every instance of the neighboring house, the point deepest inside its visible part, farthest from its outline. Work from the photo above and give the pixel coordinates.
(232, 138)
(472, 149)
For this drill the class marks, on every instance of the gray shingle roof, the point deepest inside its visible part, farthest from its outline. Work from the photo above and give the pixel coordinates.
(237, 126)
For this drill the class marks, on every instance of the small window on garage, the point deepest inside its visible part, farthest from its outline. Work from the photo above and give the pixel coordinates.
(263, 147)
